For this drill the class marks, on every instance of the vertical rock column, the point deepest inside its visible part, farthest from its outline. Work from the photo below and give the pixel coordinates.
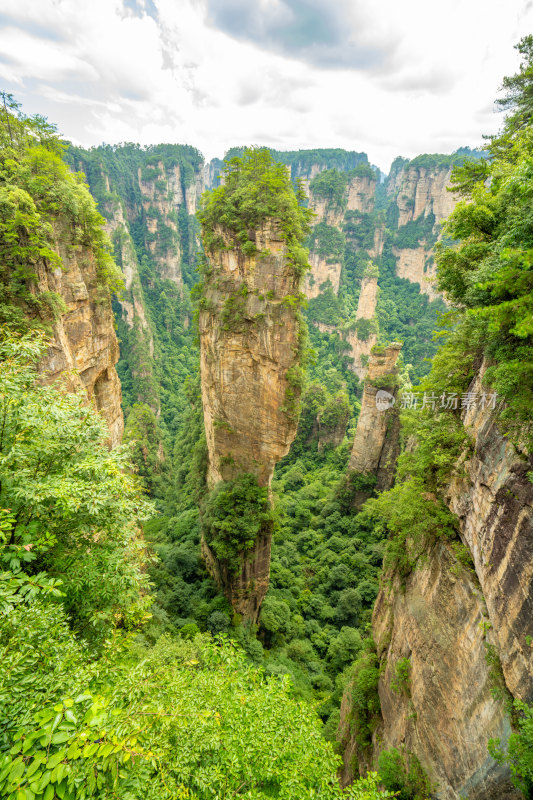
(375, 446)
(249, 349)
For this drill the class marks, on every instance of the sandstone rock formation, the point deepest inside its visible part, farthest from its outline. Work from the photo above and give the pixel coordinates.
(366, 305)
(421, 191)
(446, 711)
(465, 630)
(494, 504)
(84, 348)
(249, 339)
(416, 264)
(359, 196)
(376, 439)
(361, 346)
(418, 192)
(322, 270)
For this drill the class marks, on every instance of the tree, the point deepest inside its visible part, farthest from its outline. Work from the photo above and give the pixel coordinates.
(73, 508)
(518, 89)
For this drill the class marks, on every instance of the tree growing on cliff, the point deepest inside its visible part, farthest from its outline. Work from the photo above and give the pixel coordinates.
(256, 188)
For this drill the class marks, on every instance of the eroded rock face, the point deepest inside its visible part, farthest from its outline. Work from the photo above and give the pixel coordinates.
(419, 192)
(368, 298)
(159, 204)
(422, 191)
(494, 505)
(84, 348)
(376, 438)
(445, 618)
(249, 335)
(360, 348)
(446, 711)
(359, 196)
(417, 265)
(322, 270)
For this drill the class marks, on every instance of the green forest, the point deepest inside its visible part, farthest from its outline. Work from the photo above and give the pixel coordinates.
(126, 673)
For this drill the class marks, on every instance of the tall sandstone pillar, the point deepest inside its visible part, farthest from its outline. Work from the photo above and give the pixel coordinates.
(249, 350)
(375, 447)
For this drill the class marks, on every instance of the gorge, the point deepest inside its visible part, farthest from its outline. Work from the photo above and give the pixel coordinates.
(317, 542)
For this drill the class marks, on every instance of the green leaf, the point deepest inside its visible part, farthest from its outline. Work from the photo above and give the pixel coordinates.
(54, 760)
(49, 793)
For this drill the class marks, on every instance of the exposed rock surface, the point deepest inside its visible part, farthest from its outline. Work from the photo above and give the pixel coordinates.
(249, 334)
(422, 191)
(84, 349)
(161, 196)
(322, 270)
(446, 618)
(359, 196)
(359, 351)
(368, 298)
(494, 504)
(419, 192)
(416, 264)
(446, 712)
(376, 438)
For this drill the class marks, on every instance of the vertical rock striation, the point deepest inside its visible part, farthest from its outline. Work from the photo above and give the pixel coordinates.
(493, 501)
(250, 351)
(444, 714)
(421, 194)
(375, 446)
(249, 340)
(359, 196)
(84, 347)
(463, 619)
(249, 337)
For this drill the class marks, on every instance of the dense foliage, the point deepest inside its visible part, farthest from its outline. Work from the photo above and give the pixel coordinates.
(488, 274)
(233, 516)
(189, 719)
(42, 203)
(255, 189)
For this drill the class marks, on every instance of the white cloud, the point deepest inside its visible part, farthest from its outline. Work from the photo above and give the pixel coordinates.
(159, 70)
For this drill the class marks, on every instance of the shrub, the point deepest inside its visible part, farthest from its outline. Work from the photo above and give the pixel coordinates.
(233, 515)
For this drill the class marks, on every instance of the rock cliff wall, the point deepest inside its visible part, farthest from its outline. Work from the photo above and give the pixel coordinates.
(420, 193)
(463, 627)
(249, 343)
(444, 712)
(376, 438)
(84, 348)
(359, 196)
(494, 505)
(149, 197)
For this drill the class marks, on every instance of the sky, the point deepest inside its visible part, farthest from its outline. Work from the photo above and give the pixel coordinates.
(384, 77)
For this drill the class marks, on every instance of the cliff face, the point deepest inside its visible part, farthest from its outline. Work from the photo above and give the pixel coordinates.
(361, 344)
(419, 193)
(249, 334)
(84, 348)
(416, 264)
(445, 711)
(494, 505)
(463, 629)
(322, 269)
(359, 196)
(376, 439)
(133, 308)
(148, 197)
